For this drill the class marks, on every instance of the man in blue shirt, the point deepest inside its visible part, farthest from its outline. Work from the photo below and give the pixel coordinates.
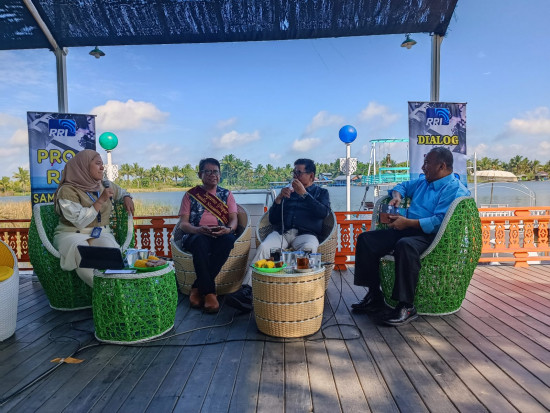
(408, 237)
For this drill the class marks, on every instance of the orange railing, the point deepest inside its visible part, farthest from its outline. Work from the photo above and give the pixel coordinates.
(518, 235)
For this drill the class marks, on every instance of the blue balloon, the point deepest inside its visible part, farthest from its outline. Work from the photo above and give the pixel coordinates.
(347, 134)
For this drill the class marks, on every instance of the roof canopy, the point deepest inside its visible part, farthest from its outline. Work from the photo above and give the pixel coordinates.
(75, 23)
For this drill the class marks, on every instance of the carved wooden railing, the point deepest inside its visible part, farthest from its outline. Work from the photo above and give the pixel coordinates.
(518, 235)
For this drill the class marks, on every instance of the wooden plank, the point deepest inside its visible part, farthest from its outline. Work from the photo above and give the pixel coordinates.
(218, 398)
(193, 394)
(522, 341)
(297, 391)
(56, 391)
(461, 397)
(247, 382)
(272, 381)
(323, 388)
(516, 395)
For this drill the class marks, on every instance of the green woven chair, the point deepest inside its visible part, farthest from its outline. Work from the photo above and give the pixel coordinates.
(447, 266)
(64, 289)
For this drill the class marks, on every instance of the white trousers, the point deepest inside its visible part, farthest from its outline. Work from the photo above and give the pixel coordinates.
(289, 239)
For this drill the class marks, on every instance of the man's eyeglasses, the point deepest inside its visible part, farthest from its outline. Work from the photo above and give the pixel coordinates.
(211, 172)
(299, 173)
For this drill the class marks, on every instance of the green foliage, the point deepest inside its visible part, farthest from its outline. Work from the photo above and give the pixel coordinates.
(241, 173)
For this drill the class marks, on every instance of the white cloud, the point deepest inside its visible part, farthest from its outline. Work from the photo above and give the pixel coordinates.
(303, 145)
(225, 123)
(275, 156)
(378, 114)
(116, 115)
(156, 152)
(536, 122)
(321, 120)
(20, 138)
(233, 139)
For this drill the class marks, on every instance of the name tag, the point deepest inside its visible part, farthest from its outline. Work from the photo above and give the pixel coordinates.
(96, 232)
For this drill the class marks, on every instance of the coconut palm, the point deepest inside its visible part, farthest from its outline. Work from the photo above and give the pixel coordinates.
(126, 170)
(23, 177)
(5, 183)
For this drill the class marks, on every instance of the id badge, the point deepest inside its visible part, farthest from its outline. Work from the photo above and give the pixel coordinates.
(96, 232)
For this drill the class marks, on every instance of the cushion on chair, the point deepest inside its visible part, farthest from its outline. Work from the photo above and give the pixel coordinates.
(5, 272)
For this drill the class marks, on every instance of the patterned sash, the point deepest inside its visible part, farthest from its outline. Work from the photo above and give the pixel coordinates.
(212, 203)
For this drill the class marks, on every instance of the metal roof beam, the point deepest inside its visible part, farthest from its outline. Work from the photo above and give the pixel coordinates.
(60, 54)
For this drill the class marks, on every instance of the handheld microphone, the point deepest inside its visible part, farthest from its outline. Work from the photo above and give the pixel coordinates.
(107, 184)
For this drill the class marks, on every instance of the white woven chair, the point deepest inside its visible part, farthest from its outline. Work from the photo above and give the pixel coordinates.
(9, 292)
(230, 277)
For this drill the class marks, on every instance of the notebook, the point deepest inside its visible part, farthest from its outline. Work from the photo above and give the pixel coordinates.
(100, 258)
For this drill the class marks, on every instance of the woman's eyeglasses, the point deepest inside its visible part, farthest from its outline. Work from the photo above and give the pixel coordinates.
(211, 172)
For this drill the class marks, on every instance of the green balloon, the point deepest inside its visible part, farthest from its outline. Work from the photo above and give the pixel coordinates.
(108, 141)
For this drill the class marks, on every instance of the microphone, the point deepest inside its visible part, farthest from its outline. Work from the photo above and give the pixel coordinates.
(107, 184)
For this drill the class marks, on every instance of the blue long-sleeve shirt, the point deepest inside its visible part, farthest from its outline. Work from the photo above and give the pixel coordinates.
(430, 200)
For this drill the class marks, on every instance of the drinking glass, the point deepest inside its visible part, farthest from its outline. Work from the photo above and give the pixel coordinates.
(143, 254)
(315, 260)
(275, 253)
(289, 258)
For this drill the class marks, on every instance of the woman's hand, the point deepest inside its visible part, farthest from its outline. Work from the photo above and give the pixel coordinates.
(106, 195)
(221, 231)
(129, 205)
(204, 230)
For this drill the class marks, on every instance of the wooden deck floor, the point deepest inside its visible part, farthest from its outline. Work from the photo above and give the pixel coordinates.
(493, 355)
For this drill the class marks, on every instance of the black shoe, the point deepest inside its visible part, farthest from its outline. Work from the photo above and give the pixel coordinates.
(241, 299)
(371, 303)
(402, 314)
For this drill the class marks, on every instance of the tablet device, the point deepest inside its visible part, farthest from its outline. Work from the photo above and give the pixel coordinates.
(100, 258)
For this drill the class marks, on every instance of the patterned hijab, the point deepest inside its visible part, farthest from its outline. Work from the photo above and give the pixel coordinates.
(77, 173)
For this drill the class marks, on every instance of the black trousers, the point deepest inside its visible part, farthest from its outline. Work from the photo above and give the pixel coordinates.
(407, 246)
(209, 255)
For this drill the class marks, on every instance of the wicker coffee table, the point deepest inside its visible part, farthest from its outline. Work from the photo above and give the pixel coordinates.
(289, 304)
(130, 308)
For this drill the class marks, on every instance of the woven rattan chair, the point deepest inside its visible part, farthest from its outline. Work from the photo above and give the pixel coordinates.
(64, 289)
(9, 291)
(328, 241)
(447, 266)
(230, 277)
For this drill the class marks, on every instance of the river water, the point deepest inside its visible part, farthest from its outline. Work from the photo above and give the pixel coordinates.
(510, 194)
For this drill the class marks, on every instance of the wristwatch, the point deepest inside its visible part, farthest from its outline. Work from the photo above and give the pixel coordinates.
(303, 196)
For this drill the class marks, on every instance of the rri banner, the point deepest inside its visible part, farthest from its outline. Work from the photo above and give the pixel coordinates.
(437, 124)
(54, 138)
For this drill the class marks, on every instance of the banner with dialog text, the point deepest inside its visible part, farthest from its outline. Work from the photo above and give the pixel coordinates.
(434, 124)
(54, 138)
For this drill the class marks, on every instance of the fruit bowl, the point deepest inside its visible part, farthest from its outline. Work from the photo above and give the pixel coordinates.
(268, 270)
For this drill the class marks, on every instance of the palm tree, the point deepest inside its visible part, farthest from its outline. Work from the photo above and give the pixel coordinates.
(5, 183)
(23, 177)
(126, 170)
(176, 172)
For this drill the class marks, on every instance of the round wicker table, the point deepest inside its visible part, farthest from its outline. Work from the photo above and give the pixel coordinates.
(131, 308)
(288, 304)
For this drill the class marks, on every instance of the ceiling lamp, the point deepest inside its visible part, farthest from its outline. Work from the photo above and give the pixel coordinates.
(408, 43)
(98, 53)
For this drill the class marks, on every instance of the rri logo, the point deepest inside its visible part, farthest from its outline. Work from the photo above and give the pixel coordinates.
(62, 127)
(437, 116)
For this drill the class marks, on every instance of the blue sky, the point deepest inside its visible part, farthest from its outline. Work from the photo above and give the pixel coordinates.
(272, 102)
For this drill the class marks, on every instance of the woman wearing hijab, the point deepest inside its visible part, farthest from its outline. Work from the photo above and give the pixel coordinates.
(84, 206)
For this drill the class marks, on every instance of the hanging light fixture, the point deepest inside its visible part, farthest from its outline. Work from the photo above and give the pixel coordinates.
(408, 43)
(97, 53)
